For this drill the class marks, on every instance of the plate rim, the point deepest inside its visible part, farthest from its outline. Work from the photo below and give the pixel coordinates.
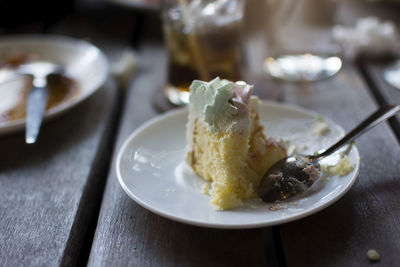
(137, 4)
(257, 224)
(14, 126)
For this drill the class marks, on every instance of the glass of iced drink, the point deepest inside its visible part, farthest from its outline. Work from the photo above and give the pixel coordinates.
(203, 41)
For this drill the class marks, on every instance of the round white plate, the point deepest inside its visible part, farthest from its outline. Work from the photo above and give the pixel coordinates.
(83, 62)
(152, 171)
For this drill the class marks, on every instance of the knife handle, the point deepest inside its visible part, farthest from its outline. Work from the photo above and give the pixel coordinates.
(37, 101)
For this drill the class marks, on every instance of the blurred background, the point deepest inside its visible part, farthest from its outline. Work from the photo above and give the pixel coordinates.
(41, 15)
(270, 29)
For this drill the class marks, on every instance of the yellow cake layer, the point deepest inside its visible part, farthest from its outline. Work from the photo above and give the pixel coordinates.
(233, 162)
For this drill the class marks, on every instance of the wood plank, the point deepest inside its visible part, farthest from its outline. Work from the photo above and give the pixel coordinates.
(43, 219)
(51, 191)
(128, 235)
(367, 216)
(373, 71)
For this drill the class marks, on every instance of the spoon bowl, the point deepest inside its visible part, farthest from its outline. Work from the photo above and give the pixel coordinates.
(289, 177)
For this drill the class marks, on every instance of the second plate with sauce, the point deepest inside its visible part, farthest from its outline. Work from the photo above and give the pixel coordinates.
(86, 69)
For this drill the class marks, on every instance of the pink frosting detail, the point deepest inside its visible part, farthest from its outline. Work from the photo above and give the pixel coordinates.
(241, 98)
(271, 142)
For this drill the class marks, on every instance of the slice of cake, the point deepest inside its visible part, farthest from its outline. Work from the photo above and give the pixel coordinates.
(226, 144)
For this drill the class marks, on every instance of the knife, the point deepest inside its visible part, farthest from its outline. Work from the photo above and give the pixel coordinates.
(37, 101)
(37, 98)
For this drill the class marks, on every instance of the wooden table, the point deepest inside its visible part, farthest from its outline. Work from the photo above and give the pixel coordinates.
(61, 203)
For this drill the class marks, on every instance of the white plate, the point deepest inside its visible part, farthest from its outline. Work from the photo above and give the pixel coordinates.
(152, 171)
(83, 62)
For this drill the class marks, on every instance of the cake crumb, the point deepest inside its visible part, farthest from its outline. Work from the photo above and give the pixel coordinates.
(342, 168)
(320, 128)
(170, 190)
(291, 150)
(276, 207)
(373, 255)
(205, 189)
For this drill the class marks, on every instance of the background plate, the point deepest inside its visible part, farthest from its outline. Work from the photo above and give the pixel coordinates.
(83, 62)
(151, 5)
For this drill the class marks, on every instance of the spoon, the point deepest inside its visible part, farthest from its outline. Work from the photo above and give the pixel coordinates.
(37, 99)
(295, 174)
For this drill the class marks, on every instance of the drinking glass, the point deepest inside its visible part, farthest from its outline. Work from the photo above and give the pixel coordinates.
(203, 41)
(299, 40)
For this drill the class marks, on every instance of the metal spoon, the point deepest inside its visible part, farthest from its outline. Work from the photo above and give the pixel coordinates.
(295, 174)
(37, 99)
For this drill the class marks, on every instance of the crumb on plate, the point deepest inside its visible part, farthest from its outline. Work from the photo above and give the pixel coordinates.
(320, 128)
(373, 255)
(342, 168)
(170, 190)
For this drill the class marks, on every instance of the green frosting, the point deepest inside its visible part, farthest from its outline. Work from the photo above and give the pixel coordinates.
(211, 99)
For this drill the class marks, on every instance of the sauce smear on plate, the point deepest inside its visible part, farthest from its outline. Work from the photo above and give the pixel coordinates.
(14, 95)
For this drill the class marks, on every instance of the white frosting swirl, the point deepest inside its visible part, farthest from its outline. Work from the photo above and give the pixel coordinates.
(220, 103)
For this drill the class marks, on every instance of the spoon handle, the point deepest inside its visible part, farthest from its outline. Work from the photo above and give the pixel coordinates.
(374, 119)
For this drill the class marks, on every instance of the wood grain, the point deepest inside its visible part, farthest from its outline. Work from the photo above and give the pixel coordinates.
(43, 219)
(384, 93)
(366, 217)
(128, 235)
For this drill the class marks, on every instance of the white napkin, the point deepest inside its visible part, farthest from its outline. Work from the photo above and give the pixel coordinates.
(369, 36)
(125, 67)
